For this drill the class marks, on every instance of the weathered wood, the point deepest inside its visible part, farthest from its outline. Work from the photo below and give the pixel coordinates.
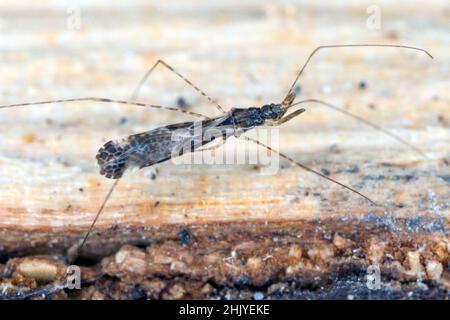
(242, 55)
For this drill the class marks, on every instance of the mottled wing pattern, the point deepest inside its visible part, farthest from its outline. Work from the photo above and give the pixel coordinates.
(151, 147)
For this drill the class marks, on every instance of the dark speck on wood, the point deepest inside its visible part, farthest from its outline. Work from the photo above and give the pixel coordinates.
(354, 169)
(362, 85)
(185, 236)
(137, 293)
(123, 120)
(374, 178)
(181, 103)
(405, 178)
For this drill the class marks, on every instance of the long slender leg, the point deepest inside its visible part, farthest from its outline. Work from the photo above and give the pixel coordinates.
(170, 68)
(106, 100)
(108, 195)
(347, 46)
(309, 169)
(362, 120)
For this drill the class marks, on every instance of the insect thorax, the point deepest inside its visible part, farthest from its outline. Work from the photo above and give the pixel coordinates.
(247, 118)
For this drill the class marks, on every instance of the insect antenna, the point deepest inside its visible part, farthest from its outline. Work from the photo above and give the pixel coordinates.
(311, 170)
(367, 122)
(106, 100)
(347, 46)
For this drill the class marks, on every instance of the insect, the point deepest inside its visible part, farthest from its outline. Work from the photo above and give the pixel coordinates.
(157, 145)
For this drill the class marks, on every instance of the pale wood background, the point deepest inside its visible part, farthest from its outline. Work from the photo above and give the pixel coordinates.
(243, 53)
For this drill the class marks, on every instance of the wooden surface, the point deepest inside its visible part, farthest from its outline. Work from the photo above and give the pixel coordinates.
(242, 54)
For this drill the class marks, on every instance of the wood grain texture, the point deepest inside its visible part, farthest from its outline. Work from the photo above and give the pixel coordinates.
(242, 54)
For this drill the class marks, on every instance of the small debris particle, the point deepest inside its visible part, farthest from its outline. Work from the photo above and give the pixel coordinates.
(29, 138)
(322, 253)
(156, 203)
(372, 106)
(178, 267)
(392, 35)
(374, 178)
(442, 250)
(295, 251)
(441, 119)
(123, 120)
(81, 189)
(137, 293)
(354, 169)
(434, 270)
(212, 258)
(41, 270)
(341, 243)
(160, 258)
(242, 281)
(414, 224)
(377, 250)
(258, 296)
(254, 263)
(277, 289)
(415, 267)
(325, 171)
(181, 103)
(98, 296)
(362, 85)
(131, 259)
(176, 292)
(185, 236)
(207, 289)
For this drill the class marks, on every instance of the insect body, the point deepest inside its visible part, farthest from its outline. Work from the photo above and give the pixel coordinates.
(158, 145)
